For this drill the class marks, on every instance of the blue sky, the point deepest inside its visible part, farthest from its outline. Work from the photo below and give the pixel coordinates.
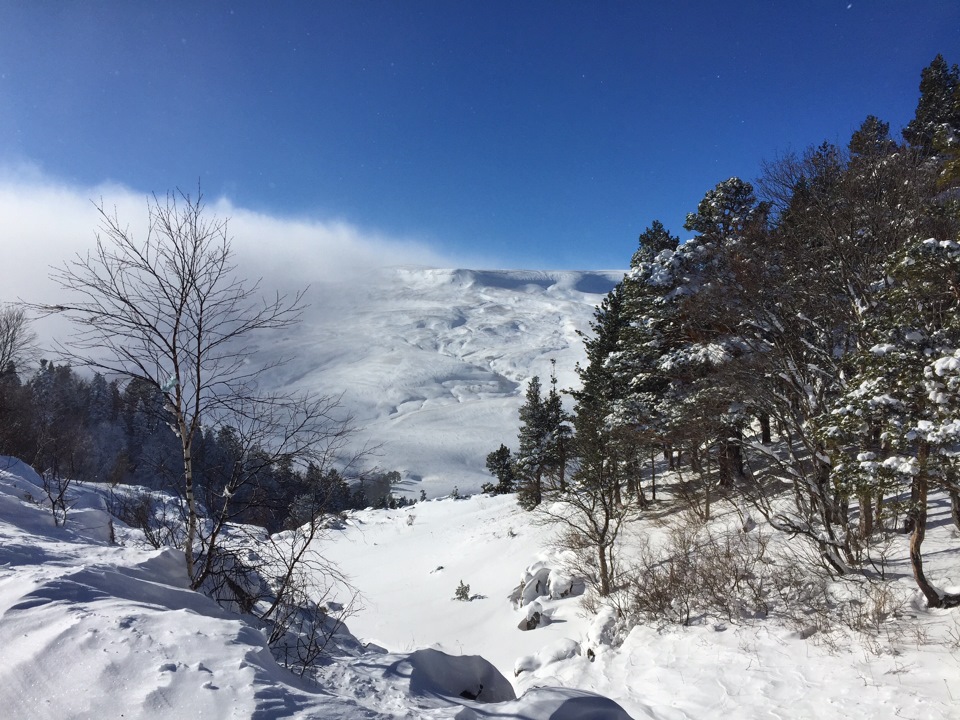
(517, 134)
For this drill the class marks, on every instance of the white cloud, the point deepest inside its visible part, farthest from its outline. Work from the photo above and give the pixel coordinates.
(45, 223)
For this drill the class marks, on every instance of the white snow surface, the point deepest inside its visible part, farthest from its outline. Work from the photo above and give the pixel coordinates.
(97, 628)
(94, 629)
(433, 364)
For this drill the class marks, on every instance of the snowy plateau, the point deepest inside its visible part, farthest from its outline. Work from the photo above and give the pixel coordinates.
(433, 364)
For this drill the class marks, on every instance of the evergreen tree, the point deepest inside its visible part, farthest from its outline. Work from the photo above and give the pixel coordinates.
(501, 466)
(871, 139)
(654, 240)
(543, 439)
(907, 394)
(937, 113)
(533, 453)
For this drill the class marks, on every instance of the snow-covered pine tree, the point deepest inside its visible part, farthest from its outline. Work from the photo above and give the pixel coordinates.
(896, 427)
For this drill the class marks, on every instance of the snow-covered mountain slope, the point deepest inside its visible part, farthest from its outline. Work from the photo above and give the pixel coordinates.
(94, 625)
(433, 363)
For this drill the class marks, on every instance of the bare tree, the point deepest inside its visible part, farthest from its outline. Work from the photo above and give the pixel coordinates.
(170, 311)
(18, 343)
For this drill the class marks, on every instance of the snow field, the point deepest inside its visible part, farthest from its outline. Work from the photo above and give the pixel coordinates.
(92, 629)
(433, 363)
(713, 669)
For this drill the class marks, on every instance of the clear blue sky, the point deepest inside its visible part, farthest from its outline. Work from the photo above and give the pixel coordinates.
(536, 134)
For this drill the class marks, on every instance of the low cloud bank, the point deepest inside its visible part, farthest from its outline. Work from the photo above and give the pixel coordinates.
(46, 223)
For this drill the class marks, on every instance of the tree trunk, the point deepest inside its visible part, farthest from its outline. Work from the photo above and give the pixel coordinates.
(918, 511)
(186, 443)
(603, 571)
(765, 429)
(866, 514)
(909, 520)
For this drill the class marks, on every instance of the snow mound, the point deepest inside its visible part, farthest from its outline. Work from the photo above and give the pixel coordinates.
(432, 672)
(555, 704)
(13, 469)
(562, 649)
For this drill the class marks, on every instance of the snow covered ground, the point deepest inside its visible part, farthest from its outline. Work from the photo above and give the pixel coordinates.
(408, 573)
(433, 363)
(92, 628)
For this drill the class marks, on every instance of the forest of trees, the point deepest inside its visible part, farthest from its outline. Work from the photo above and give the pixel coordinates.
(806, 339)
(91, 430)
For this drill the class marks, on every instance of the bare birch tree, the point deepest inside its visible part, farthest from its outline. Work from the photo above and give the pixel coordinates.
(170, 310)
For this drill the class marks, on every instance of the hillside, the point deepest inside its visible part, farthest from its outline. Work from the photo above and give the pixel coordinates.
(433, 363)
(97, 627)
(96, 624)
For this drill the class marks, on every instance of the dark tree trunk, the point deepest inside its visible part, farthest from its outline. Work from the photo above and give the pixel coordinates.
(765, 437)
(918, 511)
(910, 519)
(603, 571)
(866, 514)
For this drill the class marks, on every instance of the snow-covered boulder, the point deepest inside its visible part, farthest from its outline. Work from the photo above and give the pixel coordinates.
(553, 703)
(535, 581)
(542, 579)
(535, 617)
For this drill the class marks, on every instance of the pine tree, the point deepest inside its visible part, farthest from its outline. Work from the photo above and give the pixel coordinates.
(871, 139)
(937, 113)
(654, 240)
(543, 439)
(532, 455)
(906, 395)
(501, 466)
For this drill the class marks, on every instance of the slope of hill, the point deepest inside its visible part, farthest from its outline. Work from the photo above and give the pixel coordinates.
(98, 625)
(95, 624)
(433, 363)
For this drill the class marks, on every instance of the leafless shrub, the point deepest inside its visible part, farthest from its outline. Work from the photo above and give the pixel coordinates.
(701, 571)
(161, 524)
(56, 486)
